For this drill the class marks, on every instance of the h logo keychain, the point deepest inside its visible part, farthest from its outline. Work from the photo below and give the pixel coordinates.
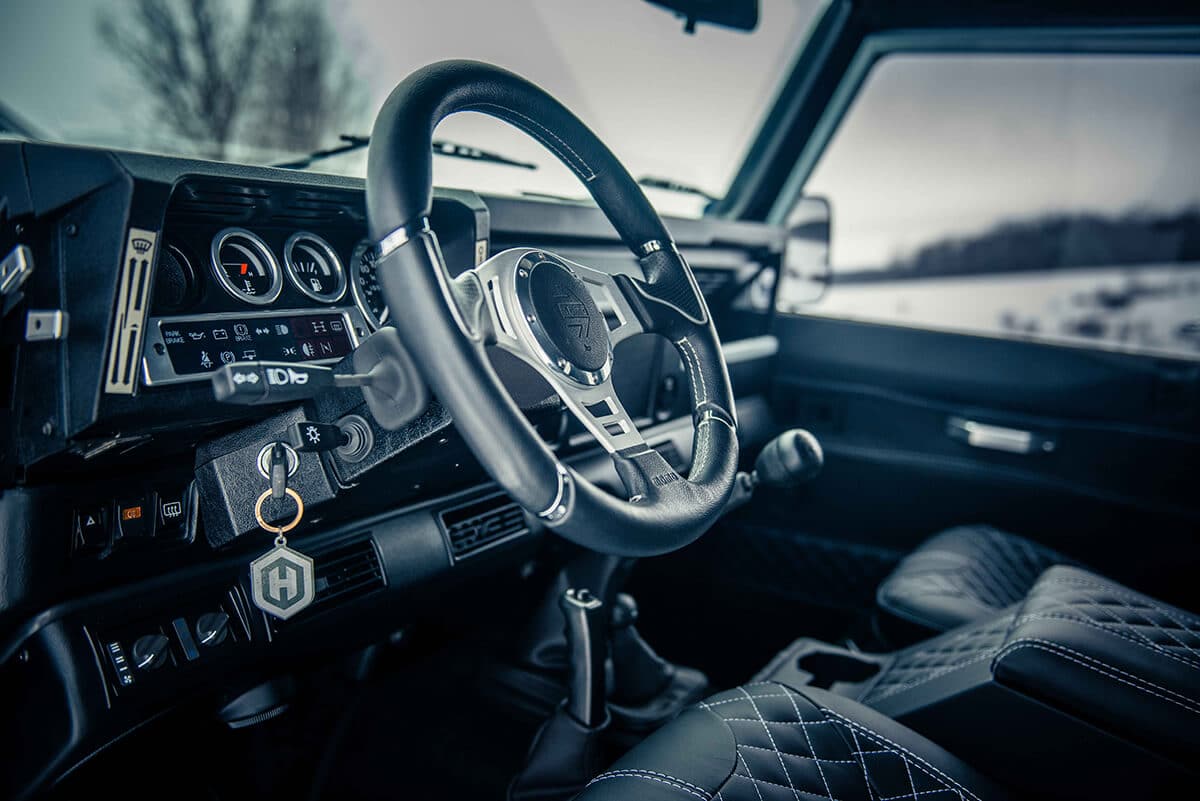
(282, 579)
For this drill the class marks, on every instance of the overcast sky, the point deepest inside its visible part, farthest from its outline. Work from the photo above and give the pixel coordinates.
(932, 147)
(944, 145)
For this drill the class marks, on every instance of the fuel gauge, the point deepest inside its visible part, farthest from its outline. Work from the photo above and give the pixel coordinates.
(314, 267)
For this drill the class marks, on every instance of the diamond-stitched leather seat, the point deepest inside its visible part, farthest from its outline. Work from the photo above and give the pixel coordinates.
(961, 575)
(1121, 660)
(769, 742)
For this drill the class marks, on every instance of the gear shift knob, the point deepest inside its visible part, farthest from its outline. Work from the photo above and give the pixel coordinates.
(791, 459)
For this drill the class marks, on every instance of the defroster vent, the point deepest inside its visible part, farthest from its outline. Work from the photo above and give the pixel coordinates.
(481, 523)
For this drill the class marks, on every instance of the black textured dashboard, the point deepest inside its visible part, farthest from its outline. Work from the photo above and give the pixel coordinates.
(127, 490)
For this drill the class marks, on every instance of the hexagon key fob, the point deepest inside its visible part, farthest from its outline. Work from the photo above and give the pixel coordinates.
(282, 581)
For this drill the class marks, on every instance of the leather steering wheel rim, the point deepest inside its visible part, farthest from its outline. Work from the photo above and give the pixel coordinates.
(447, 323)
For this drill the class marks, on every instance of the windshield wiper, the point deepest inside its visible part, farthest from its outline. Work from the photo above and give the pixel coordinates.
(441, 147)
(654, 182)
(350, 143)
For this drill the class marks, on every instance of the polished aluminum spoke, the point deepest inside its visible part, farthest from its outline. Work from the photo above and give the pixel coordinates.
(591, 397)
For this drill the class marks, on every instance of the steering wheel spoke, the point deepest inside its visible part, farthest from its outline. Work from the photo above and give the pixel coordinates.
(518, 306)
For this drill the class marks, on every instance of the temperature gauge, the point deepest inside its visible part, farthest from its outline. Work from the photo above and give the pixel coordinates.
(245, 266)
(314, 267)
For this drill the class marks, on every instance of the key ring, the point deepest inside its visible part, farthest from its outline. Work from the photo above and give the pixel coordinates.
(280, 530)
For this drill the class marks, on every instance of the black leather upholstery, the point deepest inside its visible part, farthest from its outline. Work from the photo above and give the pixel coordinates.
(1112, 656)
(932, 659)
(962, 575)
(767, 741)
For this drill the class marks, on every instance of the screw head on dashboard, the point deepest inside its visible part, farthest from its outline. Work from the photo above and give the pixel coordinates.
(523, 272)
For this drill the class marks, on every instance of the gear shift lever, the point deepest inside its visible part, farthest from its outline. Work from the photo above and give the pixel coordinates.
(791, 459)
(587, 645)
(566, 753)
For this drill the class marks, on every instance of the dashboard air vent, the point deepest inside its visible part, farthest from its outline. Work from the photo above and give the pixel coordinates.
(347, 571)
(265, 204)
(479, 524)
(713, 282)
(343, 572)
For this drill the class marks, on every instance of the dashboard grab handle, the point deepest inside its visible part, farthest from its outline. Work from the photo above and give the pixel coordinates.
(255, 383)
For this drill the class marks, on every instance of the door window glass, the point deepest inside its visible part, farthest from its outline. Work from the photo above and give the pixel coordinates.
(1054, 198)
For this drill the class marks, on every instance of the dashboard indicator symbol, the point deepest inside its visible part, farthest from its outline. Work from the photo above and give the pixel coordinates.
(196, 335)
(281, 377)
(245, 378)
(249, 355)
(240, 330)
(205, 361)
(313, 435)
(172, 510)
(220, 333)
(335, 325)
(281, 329)
(261, 330)
(289, 352)
(308, 349)
(227, 357)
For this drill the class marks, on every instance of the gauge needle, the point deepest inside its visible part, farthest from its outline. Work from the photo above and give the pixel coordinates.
(245, 268)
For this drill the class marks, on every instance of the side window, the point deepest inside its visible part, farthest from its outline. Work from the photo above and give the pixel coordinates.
(1045, 197)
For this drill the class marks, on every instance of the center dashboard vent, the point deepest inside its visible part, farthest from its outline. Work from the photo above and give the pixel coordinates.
(342, 572)
(280, 204)
(482, 523)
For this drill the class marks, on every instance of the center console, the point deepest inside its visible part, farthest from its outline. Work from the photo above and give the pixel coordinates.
(1085, 689)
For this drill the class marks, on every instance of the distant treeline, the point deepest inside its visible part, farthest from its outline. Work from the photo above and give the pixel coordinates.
(1050, 243)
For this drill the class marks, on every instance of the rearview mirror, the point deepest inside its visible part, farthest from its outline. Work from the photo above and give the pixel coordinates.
(741, 15)
(806, 273)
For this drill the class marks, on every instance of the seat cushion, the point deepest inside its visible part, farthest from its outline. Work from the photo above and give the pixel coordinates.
(769, 742)
(1111, 656)
(962, 575)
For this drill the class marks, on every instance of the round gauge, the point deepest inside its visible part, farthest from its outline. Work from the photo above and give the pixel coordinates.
(314, 268)
(245, 266)
(368, 295)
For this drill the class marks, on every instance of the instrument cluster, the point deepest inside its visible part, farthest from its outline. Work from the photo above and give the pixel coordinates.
(261, 294)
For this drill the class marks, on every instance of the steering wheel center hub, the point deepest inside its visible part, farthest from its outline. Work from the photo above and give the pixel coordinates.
(563, 318)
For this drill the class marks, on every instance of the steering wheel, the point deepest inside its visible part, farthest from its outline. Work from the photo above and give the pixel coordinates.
(542, 308)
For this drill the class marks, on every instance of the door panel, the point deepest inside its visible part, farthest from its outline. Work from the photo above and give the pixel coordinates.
(1116, 486)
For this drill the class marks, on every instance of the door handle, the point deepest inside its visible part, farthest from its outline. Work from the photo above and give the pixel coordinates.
(998, 438)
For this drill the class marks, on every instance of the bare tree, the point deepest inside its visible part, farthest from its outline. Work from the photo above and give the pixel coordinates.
(271, 78)
(307, 91)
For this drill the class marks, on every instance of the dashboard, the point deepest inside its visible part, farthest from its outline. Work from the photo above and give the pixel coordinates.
(127, 509)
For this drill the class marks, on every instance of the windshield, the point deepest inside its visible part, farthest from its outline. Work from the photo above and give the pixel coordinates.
(264, 81)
